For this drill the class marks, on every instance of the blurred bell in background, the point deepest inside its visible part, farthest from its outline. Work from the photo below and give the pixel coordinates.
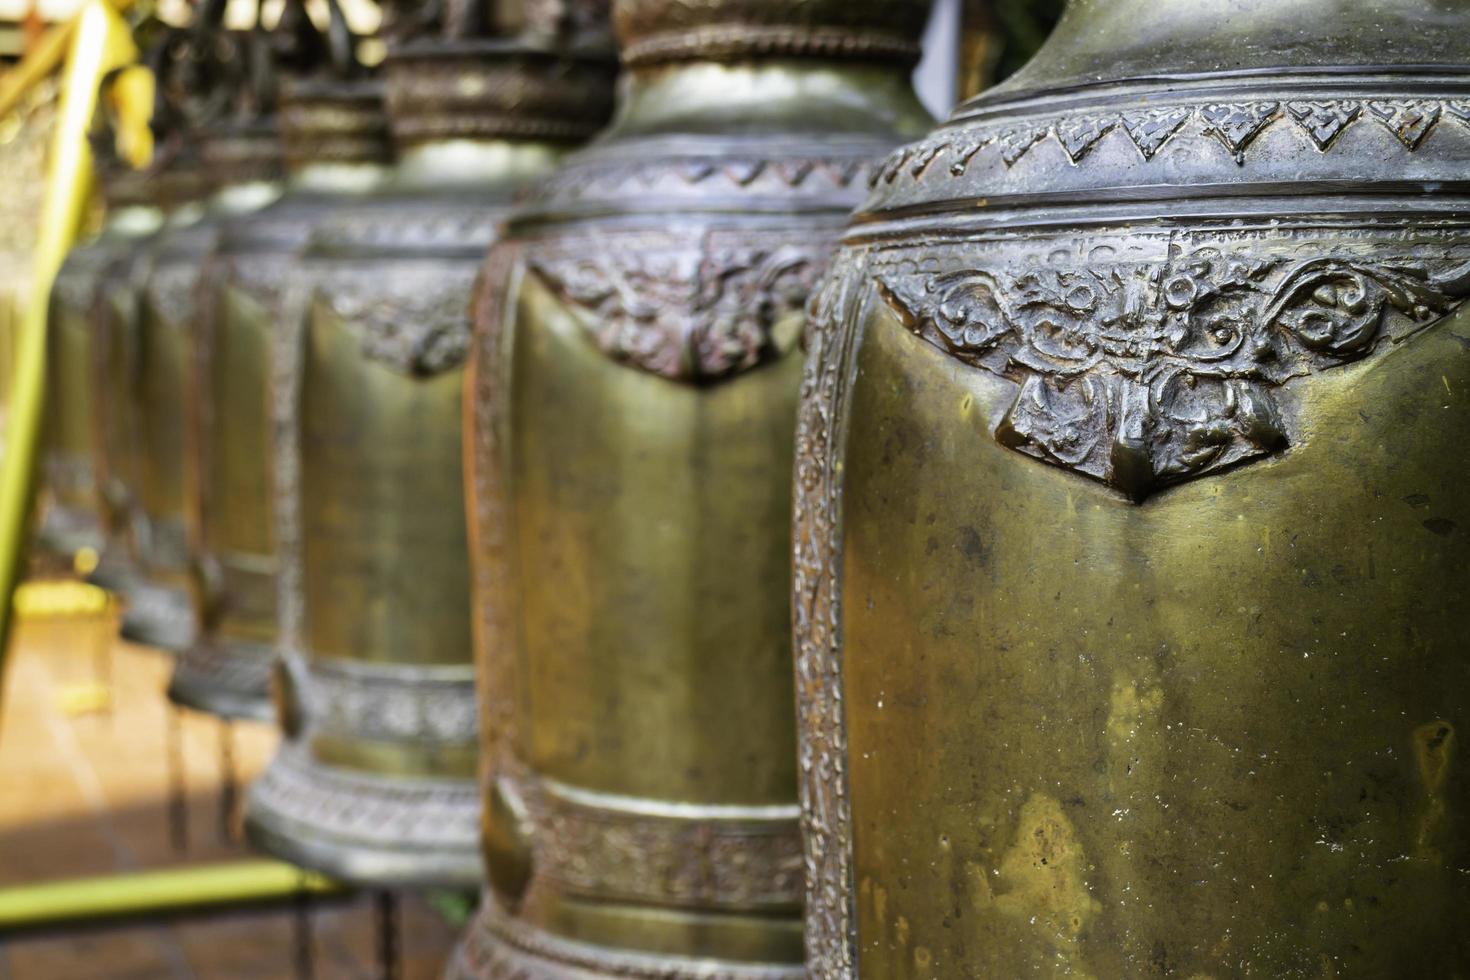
(321, 114)
(375, 781)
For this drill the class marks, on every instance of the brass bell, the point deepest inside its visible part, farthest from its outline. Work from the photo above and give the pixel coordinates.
(333, 134)
(155, 612)
(635, 374)
(1129, 567)
(240, 162)
(376, 782)
(71, 508)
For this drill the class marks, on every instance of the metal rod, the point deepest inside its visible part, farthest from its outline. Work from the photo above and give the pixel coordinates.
(102, 664)
(387, 906)
(81, 901)
(301, 930)
(229, 784)
(178, 799)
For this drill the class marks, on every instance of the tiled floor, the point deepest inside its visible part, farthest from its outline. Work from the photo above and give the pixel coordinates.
(87, 787)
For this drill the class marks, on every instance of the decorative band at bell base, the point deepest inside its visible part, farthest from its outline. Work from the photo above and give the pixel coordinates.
(403, 831)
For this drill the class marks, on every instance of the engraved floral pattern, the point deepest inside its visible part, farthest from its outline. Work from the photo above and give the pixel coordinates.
(816, 621)
(416, 320)
(1141, 373)
(706, 859)
(695, 311)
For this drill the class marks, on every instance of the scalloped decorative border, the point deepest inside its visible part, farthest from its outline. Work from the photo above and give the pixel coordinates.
(1235, 124)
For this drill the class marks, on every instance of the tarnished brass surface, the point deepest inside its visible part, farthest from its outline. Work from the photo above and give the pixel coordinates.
(635, 376)
(377, 782)
(335, 140)
(1128, 560)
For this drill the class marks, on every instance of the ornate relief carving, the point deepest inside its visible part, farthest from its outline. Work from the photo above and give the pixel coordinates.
(1143, 361)
(653, 31)
(500, 947)
(817, 622)
(392, 701)
(414, 317)
(236, 671)
(707, 857)
(370, 809)
(697, 175)
(260, 275)
(494, 586)
(170, 292)
(158, 616)
(286, 371)
(430, 227)
(1236, 125)
(690, 310)
(441, 93)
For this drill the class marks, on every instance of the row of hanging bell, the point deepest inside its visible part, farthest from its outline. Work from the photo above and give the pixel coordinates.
(74, 516)
(118, 328)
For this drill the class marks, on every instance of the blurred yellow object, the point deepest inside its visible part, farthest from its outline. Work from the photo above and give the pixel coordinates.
(84, 699)
(84, 562)
(181, 890)
(131, 97)
(60, 599)
(38, 64)
(99, 42)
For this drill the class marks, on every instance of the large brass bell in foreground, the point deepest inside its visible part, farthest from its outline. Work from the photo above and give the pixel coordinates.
(1130, 558)
(635, 377)
(334, 135)
(376, 780)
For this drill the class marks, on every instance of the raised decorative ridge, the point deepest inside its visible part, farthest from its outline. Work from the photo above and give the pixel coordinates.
(705, 860)
(816, 609)
(503, 947)
(242, 672)
(344, 122)
(1237, 126)
(496, 90)
(396, 702)
(657, 31)
(430, 227)
(694, 174)
(722, 43)
(373, 809)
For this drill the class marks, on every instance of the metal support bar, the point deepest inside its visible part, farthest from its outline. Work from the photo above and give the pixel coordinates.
(87, 901)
